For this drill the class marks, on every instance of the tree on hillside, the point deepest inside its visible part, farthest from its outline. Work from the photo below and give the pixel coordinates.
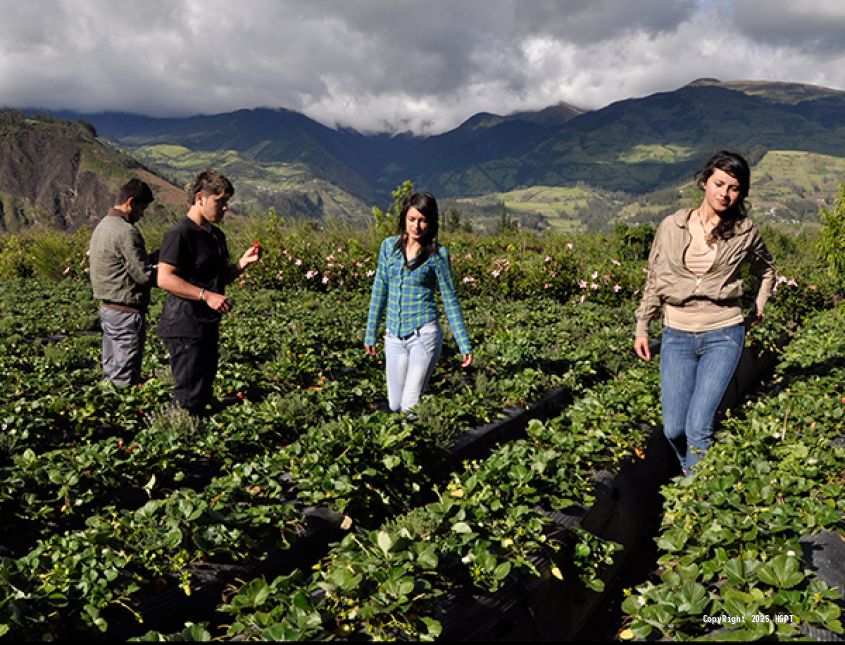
(505, 222)
(386, 221)
(453, 220)
(832, 240)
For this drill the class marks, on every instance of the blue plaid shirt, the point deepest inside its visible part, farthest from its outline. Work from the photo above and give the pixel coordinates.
(409, 295)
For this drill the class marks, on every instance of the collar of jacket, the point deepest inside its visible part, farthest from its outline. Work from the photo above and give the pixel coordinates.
(116, 213)
(681, 217)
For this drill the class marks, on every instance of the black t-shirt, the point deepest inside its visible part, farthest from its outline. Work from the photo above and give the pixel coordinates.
(201, 258)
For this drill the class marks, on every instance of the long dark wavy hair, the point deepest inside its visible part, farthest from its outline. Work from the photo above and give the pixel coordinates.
(427, 206)
(737, 167)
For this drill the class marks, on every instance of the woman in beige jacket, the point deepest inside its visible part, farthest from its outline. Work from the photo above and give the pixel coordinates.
(694, 274)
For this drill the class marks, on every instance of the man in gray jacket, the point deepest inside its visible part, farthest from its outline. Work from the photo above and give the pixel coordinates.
(121, 276)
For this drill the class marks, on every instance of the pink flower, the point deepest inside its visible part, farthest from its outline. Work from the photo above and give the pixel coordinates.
(548, 285)
(496, 272)
(595, 275)
(616, 288)
(312, 273)
(582, 284)
(298, 262)
(370, 273)
(325, 279)
(594, 286)
(469, 278)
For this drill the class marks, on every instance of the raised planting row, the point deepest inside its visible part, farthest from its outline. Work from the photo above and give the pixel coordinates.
(114, 549)
(392, 582)
(117, 505)
(101, 440)
(735, 563)
(485, 529)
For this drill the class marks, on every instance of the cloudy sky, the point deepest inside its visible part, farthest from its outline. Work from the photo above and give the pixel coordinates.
(392, 65)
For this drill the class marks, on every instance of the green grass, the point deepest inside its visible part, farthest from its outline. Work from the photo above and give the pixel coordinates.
(670, 153)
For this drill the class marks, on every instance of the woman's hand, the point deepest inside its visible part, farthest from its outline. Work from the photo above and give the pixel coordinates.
(371, 349)
(752, 319)
(467, 361)
(641, 348)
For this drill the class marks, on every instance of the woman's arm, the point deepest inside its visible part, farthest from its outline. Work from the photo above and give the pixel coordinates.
(762, 266)
(650, 301)
(378, 300)
(443, 271)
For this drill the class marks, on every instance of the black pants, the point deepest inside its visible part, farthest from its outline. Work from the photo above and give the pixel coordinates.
(193, 362)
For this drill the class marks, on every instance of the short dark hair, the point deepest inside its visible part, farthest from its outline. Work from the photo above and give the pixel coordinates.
(737, 167)
(210, 182)
(137, 190)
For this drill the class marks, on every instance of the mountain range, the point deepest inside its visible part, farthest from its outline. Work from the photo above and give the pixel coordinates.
(620, 160)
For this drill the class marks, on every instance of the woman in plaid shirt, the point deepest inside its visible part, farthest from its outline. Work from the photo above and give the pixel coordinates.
(410, 266)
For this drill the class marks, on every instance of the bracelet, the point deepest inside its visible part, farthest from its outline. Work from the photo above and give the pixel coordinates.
(202, 295)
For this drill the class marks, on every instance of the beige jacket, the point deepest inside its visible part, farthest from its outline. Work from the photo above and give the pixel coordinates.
(669, 280)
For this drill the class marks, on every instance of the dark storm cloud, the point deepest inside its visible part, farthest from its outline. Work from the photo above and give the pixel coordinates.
(815, 26)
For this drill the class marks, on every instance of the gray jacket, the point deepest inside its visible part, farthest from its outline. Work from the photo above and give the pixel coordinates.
(669, 280)
(120, 269)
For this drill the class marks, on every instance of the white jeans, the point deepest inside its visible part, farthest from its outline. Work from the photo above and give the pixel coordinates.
(409, 364)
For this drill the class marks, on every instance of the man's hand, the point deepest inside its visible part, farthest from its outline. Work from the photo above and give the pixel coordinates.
(217, 301)
(250, 256)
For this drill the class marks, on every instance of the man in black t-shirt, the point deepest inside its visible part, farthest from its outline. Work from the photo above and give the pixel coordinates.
(194, 269)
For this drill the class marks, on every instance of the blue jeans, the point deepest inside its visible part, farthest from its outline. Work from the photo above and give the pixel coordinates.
(695, 371)
(409, 363)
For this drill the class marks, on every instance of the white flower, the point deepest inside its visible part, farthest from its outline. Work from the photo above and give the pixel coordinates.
(298, 262)
(370, 273)
(616, 288)
(311, 274)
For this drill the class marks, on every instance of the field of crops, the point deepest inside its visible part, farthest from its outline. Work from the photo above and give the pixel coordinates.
(305, 510)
